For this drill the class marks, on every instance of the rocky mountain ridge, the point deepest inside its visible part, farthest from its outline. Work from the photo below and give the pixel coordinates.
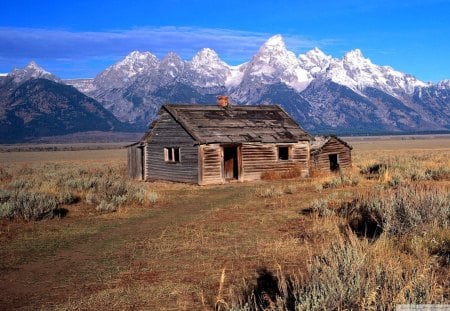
(328, 94)
(34, 104)
(324, 94)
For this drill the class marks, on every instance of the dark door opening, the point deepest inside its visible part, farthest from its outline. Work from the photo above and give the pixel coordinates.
(230, 162)
(334, 162)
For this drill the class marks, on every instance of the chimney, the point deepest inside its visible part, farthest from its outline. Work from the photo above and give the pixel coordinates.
(222, 101)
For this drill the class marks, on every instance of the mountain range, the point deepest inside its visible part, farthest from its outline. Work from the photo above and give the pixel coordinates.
(34, 103)
(324, 94)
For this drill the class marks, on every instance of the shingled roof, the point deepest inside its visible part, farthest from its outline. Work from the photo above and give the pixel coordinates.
(320, 141)
(237, 124)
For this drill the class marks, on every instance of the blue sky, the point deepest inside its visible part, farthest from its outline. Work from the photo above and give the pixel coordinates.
(80, 38)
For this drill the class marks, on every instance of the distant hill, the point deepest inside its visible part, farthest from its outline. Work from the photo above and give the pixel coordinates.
(32, 106)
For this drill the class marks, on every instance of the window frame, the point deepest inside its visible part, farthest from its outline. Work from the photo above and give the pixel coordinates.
(288, 152)
(172, 154)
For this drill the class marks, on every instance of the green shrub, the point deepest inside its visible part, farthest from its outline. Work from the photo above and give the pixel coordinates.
(320, 207)
(400, 210)
(81, 183)
(345, 277)
(375, 168)
(105, 206)
(341, 181)
(152, 197)
(4, 175)
(269, 192)
(29, 206)
(67, 198)
(6, 210)
(440, 173)
(20, 184)
(5, 195)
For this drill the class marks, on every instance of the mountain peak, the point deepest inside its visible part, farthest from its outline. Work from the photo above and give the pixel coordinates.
(33, 66)
(139, 57)
(171, 55)
(206, 54)
(315, 61)
(276, 40)
(444, 84)
(31, 71)
(274, 64)
(275, 43)
(355, 56)
(207, 57)
(316, 52)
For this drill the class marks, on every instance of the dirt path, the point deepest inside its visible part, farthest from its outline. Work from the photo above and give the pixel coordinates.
(82, 268)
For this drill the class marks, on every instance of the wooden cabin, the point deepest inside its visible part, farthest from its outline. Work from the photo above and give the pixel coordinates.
(329, 154)
(210, 144)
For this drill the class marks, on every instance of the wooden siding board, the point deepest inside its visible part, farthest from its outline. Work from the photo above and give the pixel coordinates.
(262, 158)
(320, 161)
(168, 133)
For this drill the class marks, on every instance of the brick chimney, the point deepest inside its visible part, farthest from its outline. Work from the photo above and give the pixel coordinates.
(222, 101)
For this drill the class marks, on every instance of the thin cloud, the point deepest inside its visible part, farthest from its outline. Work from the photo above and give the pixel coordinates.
(70, 54)
(20, 43)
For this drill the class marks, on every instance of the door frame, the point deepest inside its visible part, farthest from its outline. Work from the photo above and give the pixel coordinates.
(238, 162)
(334, 166)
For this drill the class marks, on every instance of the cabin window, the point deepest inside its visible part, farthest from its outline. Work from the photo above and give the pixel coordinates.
(283, 153)
(172, 154)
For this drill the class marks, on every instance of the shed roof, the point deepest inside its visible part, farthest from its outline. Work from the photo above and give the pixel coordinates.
(320, 141)
(237, 124)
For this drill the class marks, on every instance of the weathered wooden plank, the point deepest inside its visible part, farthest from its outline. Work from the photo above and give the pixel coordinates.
(320, 160)
(167, 133)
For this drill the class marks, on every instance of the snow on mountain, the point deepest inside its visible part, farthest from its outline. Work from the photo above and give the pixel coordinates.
(206, 69)
(127, 70)
(322, 92)
(236, 75)
(31, 71)
(315, 61)
(85, 86)
(274, 63)
(444, 84)
(170, 67)
(357, 72)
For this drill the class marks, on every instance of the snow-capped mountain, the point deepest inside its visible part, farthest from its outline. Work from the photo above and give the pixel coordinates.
(206, 69)
(272, 64)
(127, 70)
(31, 71)
(170, 68)
(315, 61)
(357, 72)
(322, 92)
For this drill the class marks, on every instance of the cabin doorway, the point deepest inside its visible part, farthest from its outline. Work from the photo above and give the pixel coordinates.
(230, 162)
(334, 162)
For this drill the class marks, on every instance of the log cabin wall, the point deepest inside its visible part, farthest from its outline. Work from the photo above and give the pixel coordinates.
(255, 160)
(260, 158)
(168, 133)
(320, 161)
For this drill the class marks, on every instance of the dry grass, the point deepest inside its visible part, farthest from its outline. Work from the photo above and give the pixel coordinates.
(275, 243)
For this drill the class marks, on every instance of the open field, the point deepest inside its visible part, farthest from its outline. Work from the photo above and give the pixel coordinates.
(374, 237)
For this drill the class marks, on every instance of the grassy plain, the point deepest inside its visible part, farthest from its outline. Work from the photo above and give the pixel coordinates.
(321, 242)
